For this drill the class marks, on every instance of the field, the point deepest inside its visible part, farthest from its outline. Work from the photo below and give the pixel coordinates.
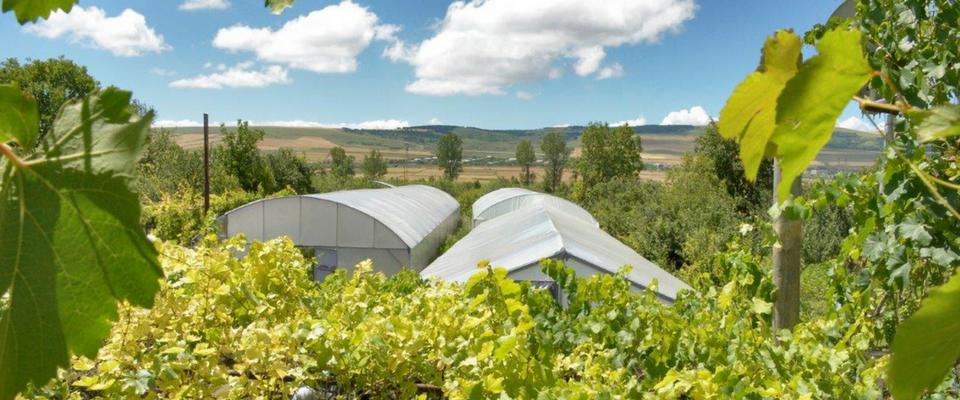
(487, 173)
(490, 150)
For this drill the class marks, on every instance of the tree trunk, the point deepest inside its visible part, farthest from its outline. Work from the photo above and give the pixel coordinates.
(786, 261)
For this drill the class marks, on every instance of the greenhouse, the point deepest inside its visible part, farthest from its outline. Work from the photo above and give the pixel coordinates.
(394, 227)
(519, 241)
(503, 201)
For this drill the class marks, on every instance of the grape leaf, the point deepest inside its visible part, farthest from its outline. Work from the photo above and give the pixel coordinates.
(808, 107)
(277, 6)
(750, 113)
(70, 241)
(19, 118)
(927, 343)
(936, 123)
(914, 230)
(31, 10)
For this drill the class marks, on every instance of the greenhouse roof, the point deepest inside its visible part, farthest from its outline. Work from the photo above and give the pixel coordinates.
(412, 212)
(534, 233)
(517, 198)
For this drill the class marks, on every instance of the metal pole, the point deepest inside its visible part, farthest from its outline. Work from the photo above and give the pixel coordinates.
(206, 164)
(786, 260)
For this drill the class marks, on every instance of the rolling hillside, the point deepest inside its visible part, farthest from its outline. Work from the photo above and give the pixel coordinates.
(662, 144)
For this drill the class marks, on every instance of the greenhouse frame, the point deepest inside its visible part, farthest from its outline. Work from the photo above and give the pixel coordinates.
(503, 201)
(519, 240)
(396, 228)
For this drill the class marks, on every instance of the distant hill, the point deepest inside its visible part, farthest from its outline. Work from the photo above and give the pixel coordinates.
(662, 143)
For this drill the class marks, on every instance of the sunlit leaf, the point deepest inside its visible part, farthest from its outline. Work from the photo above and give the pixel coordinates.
(19, 120)
(915, 230)
(808, 107)
(31, 10)
(927, 344)
(277, 6)
(936, 123)
(750, 113)
(71, 245)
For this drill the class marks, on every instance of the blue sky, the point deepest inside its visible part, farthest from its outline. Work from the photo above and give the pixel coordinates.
(492, 64)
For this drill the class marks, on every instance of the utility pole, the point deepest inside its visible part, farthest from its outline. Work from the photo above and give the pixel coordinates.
(206, 164)
(407, 158)
(786, 259)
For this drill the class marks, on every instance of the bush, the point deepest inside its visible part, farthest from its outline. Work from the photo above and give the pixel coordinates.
(290, 170)
(681, 223)
(258, 328)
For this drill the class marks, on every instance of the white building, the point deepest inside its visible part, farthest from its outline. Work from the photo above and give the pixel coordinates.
(535, 228)
(503, 201)
(397, 228)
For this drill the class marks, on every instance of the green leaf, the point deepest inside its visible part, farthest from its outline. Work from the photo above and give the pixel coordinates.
(277, 6)
(808, 107)
(70, 241)
(31, 10)
(913, 229)
(761, 307)
(927, 344)
(750, 113)
(944, 257)
(936, 123)
(19, 119)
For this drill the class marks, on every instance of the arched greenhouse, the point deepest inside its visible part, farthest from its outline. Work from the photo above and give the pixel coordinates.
(503, 201)
(396, 228)
(518, 240)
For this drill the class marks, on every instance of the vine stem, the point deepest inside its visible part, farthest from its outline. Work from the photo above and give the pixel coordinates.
(8, 152)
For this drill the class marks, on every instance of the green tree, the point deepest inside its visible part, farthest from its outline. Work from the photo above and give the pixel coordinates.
(525, 158)
(725, 156)
(290, 170)
(374, 167)
(450, 155)
(166, 167)
(556, 153)
(52, 83)
(609, 154)
(240, 157)
(341, 166)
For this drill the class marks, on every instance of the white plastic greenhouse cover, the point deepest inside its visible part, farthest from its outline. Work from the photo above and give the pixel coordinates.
(531, 234)
(412, 212)
(500, 202)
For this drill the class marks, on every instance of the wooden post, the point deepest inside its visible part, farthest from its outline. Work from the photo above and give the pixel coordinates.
(786, 261)
(206, 164)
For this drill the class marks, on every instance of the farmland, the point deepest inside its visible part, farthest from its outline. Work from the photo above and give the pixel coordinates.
(489, 150)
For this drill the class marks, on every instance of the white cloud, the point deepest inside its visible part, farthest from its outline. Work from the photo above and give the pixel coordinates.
(524, 95)
(562, 126)
(858, 124)
(484, 46)
(126, 35)
(238, 76)
(162, 72)
(191, 5)
(612, 71)
(694, 116)
(434, 121)
(377, 124)
(167, 123)
(632, 122)
(324, 41)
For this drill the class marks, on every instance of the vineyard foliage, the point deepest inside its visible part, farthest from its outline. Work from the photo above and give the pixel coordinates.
(257, 327)
(71, 245)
